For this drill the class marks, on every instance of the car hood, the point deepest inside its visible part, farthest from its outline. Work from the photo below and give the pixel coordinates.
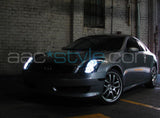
(73, 57)
(63, 61)
(76, 57)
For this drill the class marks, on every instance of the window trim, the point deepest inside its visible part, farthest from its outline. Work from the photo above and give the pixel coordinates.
(141, 44)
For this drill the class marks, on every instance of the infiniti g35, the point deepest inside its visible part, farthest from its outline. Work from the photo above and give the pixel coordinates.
(99, 65)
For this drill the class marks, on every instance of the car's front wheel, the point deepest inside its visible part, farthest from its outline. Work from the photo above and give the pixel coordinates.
(112, 88)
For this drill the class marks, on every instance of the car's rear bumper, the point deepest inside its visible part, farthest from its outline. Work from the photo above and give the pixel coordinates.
(80, 86)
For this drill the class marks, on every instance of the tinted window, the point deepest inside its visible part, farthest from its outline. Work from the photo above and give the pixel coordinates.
(97, 43)
(132, 43)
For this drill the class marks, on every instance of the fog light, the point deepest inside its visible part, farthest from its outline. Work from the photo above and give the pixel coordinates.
(54, 89)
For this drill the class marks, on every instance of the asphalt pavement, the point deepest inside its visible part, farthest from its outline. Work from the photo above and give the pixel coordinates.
(17, 101)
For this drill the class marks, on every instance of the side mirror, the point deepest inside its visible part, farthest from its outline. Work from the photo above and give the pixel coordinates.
(133, 49)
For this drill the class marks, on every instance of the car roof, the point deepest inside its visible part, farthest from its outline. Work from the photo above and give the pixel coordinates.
(111, 36)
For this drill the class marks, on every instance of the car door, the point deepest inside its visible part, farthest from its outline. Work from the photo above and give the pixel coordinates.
(133, 60)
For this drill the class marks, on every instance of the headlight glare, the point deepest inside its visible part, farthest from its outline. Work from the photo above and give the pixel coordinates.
(26, 65)
(91, 66)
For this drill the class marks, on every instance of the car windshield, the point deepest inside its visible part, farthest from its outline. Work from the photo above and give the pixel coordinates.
(97, 43)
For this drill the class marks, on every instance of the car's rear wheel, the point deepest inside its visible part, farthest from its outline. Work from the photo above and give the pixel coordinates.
(112, 88)
(152, 82)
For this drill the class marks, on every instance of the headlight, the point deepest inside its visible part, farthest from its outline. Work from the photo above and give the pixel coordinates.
(26, 65)
(91, 66)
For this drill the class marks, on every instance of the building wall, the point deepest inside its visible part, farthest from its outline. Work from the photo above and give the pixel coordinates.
(119, 20)
(121, 17)
(144, 21)
(31, 26)
(40, 25)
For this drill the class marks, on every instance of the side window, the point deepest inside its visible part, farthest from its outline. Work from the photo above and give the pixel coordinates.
(132, 43)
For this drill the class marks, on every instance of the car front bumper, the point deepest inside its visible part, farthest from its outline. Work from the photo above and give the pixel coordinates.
(67, 85)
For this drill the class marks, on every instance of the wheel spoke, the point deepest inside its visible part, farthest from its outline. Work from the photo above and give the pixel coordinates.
(107, 81)
(105, 91)
(154, 76)
(114, 78)
(154, 72)
(112, 94)
(110, 78)
(108, 95)
(115, 87)
(117, 82)
(114, 90)
(117, 92)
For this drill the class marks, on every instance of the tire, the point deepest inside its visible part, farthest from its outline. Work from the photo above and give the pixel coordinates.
(112, 89)
(152, 82)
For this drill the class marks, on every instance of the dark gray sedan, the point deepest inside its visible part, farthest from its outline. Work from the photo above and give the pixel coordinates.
(99, 65)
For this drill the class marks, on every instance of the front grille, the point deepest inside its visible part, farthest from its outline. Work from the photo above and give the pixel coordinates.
(53, 68)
